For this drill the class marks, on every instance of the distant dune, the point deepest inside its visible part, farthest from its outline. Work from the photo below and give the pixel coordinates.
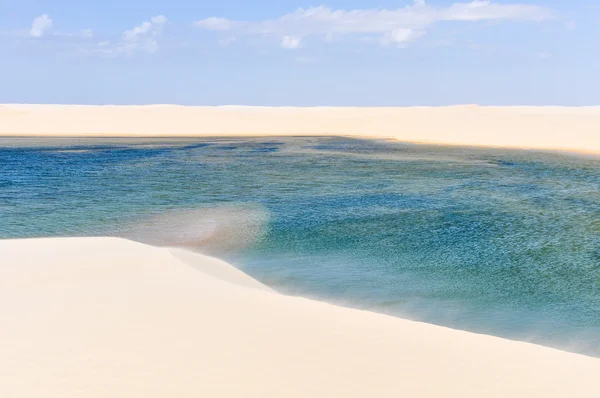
(555, 128)
(107, 317)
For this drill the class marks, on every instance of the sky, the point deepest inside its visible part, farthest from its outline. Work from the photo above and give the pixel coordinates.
(289, 53)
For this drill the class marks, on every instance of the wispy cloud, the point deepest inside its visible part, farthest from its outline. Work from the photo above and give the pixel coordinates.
(40, 26)
(401, 35)
(140, 38)
(214, 24)
(291, 42)
(143, 37)
(43, 27)
(396, 26)
(84, 33)
(87, 33)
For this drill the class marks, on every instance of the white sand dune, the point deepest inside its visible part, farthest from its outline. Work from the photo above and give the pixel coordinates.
(557, 128)
(106, 317)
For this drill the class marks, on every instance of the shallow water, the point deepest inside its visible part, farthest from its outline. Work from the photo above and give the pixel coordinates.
(493, 241)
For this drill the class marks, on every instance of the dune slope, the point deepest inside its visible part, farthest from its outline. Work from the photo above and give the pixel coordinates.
(106, 317)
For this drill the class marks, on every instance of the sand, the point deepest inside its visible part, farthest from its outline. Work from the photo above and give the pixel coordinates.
(552, 128)
(107, 317)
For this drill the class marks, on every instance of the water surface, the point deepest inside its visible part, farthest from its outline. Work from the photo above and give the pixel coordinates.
(494, 241)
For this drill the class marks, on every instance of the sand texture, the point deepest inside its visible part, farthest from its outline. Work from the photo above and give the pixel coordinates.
(107, 317)
(555, 128)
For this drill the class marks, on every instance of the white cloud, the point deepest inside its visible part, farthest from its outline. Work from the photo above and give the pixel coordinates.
(160, 19)
(40, 26)
(143, 37)
(401, 36)
(43, 26)
(213, 24)
(291, 42)
(396, 26)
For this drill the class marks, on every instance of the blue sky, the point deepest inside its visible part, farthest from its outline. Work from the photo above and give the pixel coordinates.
(338, 52)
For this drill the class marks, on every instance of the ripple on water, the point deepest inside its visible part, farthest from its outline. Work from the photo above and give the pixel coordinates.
(494, 241)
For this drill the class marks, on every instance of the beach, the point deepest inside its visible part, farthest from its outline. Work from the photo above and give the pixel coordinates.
(110, 317)
(552, 128)
(100, 317)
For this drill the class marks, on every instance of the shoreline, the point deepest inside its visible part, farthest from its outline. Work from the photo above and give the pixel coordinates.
(563, 129)
(111, 317)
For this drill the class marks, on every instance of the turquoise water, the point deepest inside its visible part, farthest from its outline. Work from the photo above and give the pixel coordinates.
(492, 241)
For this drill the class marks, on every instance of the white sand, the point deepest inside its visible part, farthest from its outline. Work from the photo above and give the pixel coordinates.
(103, 317)
(574, 129)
